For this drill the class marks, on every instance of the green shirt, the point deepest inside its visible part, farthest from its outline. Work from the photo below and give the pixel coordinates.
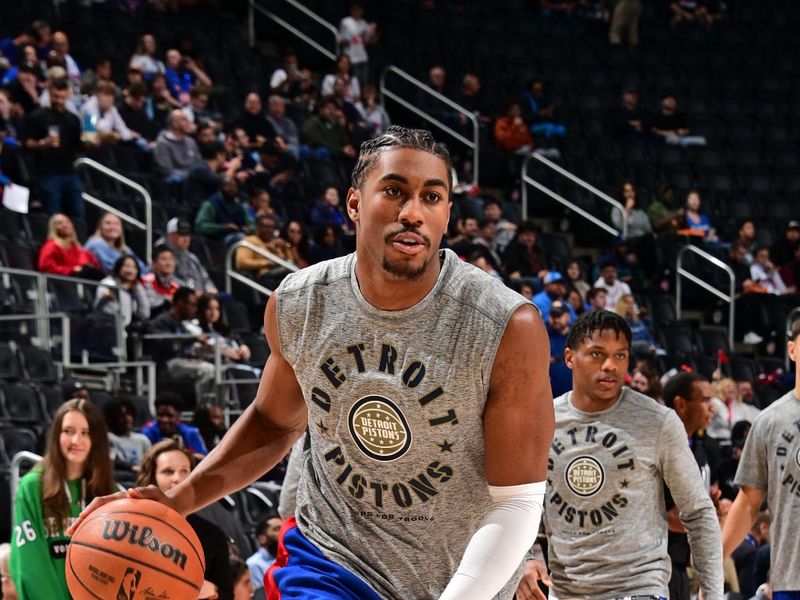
(38, 546)
(206, 222)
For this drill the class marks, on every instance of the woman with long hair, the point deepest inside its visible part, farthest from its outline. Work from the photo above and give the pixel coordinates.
(108, 243)
(166, 465)
(698, 223)
(641, 338)
(122, 292)
(638, 222)
(76, 468)
(144, 57)
(300, 248)
(62, 253)
(209, 317)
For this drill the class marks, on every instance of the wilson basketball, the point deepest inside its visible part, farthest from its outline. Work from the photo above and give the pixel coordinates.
(135, 549)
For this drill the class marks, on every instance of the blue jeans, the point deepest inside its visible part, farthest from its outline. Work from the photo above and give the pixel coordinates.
(61, 194)
(786, 595)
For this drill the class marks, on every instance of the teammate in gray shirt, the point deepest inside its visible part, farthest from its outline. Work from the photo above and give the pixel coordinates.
(770, 466)
(613, 451)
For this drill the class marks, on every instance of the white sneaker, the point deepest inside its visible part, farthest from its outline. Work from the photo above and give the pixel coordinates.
(751, 337)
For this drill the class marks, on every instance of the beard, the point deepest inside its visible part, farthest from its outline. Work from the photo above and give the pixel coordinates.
(406, 271)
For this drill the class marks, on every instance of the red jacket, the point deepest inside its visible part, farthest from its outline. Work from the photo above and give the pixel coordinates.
(62, 261)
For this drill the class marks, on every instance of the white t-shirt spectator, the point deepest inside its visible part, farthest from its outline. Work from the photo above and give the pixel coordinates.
(147, 64)
(769, 279)
(354, 34)
(613, 292)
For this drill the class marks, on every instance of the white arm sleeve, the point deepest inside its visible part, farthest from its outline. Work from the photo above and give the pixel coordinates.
(498, 546)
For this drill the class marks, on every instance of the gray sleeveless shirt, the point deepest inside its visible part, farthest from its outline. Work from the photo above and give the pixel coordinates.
(394, 485)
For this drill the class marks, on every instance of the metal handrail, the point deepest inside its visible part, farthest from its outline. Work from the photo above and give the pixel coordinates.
(65, 327)
(253, 6)
(16, 463)
(793, 315)
(681, 272)
(231, 273)
(471, 144)
(148, 202)
(615, 205)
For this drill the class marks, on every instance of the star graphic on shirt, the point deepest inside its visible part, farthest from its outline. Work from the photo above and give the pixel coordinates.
(446, 446)
(321, 426)
(624, 483)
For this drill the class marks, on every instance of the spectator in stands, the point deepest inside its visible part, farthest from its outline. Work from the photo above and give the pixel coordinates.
(205, 178)
(327, 244)
(72, 389)
(63, 254)
(539, 112)
(629, 119)
(285, 129)
(188, 267)
(76, 469)
(242, 581)
(122, 292)
(695, 12)
(352, 113)
(176, 152)
(729, 410)
(276, 172)
(352, 85)
(510, 131)
(222, 216)
(260, 203)
(53, 134)
(325, 136)
(555, 290)
(161, 101)
(289, 80)
(558, 321)
(575, 300)
(466, 233)
(437, 81)
(697, 223)
(267, 534)
(8, 590)
(744, 557)
(473, 100)
(160, 283)
(783, 251)
(355, 34)
(266, 271)
(764, 273)
(91, 77)
(664, 215)
(61, 51)
(641, 340)
(615, 288)
(523, 258)
(672, 126)
(487, 233)
(9, 123)
(216, 331)
(300, 246)
(375, 116)
(638, 222)
(253, 121)
(506, 230)
(625, 17)
(327, 211)
(182, 72)
(646, 382)
(136, 117)
(790, 272)
(550, 8)
(574, 273)
(746, 233)
(144, 57)
(210, 422)
(24, 91)
(729, 462)
(167, 464)
(197, 109)
(128, 447)
(168, 425)
(596, 299)
(101, 117)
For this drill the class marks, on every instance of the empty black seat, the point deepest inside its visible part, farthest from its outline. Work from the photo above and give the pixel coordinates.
(9, 364)
(743, 369)
(678, 339)
(713, 340)
(236, 316)
(18, 439)
(38, 365)
(21, 403)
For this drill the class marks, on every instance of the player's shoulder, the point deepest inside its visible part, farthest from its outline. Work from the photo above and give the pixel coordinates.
(473, 288)
(323, 274)
(777, 410)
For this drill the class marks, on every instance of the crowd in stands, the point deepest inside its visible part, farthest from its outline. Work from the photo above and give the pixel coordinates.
(275, 177)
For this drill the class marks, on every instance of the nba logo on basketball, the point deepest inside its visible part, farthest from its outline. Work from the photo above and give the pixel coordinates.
(129, 583)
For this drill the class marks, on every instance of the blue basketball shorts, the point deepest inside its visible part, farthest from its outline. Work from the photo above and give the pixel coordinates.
(302, 572)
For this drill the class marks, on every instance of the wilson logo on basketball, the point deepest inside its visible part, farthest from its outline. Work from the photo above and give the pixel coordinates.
(119, 531)
(379, 428)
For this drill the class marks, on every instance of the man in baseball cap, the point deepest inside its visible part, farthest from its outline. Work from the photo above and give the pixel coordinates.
(555, 288)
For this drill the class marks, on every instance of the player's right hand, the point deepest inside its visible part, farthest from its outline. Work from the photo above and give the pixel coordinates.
(528, 588)
(150, 492)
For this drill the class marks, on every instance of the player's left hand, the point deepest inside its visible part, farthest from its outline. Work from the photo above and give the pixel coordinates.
(528, 587)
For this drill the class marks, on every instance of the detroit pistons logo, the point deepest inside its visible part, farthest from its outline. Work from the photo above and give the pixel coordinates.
(797, 457)
(585, 476)
(379, 428)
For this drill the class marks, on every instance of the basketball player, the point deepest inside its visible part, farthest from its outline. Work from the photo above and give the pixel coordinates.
(613, 451)
(770, 467)
(424, 384)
